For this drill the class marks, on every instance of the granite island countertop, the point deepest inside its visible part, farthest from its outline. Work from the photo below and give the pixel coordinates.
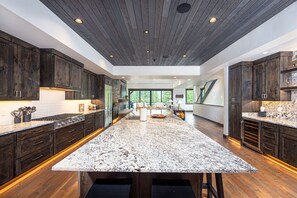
(167, 145)
(12, 128)
(280, 121)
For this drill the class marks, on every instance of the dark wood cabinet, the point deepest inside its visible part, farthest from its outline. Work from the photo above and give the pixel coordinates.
(99, 120)
(89, 123)
(240, 96)
(89, 88)
(19, 69)
(288, 145)
(7, 157)
(269, 139)
(266, 77)
(68, 135)
(59, 71)
(33, 146)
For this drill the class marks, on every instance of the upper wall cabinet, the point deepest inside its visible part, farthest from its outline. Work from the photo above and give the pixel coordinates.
(19, 69)
(266, 77)
(59, 71)
(89, 88)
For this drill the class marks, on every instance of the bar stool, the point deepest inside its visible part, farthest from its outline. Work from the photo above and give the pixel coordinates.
(164, 188)
(110, 188)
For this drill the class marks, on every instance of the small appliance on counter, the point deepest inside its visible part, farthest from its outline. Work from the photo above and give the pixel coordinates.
(92, 107)
(81, 107)
(262, 112)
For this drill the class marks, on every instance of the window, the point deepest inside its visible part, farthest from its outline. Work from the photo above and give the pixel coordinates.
(150, 96)
(189, 96)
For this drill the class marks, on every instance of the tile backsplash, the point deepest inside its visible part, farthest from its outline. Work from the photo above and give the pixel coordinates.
(282, 109)
(51, 102)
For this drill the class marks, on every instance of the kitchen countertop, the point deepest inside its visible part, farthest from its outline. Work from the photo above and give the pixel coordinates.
(157, 145)
(12, 128)
(279, 121)
(90, 111)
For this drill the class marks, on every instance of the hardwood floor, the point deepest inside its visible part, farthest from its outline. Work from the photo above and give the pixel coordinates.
(271, 180)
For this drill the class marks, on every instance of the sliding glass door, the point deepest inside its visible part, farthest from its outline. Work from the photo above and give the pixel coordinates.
(152, 97)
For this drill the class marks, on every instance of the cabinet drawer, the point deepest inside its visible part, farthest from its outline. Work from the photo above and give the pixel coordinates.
(34, 132)
(6, 163)
(33, 144)
(59, 146)
(270, 133)
(89, 130)
(25, 163)
(270, 149)
(64, 133)
(6, 140)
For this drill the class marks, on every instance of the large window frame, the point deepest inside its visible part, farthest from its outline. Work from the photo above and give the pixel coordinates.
(130, 91)
(187, 95)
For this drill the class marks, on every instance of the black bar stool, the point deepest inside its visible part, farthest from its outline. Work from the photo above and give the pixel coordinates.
(110, 188)
(164, 188)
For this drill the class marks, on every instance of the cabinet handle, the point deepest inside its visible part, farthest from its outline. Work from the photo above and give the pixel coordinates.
(20, 94)
(71, 131)
(37, 143)
(71, 140)
(16, 93)
(38, 157)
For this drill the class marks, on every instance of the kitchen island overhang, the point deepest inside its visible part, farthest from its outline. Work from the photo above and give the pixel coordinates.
(155, 148)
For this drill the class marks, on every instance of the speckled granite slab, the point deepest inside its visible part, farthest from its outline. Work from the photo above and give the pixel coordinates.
(91, 111)
(283, 122)
(158, 145)
(7, 129)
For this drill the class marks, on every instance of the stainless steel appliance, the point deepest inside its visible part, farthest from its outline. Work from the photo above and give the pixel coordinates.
(250, 134)
(63, 120)
(108, 105)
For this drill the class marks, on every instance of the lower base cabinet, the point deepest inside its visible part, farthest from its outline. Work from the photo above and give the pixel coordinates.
(89, 123)
(68, 135)
(99, 120)
(7, 158)
(288, 145)
(270, 139)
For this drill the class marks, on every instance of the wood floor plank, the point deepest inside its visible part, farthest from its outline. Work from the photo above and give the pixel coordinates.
(271, 180)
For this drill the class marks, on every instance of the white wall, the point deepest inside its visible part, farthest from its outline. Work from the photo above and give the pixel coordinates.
(213, 106)
(210, 112)
(178, 91)
(50, 102)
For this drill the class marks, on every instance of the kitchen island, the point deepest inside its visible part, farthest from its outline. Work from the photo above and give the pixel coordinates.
(145, 150)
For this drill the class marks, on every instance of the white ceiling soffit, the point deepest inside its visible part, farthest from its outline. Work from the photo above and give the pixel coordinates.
(34, 23)
(277, 34)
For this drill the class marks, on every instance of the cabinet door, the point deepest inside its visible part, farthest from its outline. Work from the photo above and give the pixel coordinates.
(75, 76)
(28, 73)
(61, 72)
(235, 79)
(99, 120)
(84, 87)
(6, 163)
(259, 81)
(288, 145)
(93, 86)
(272, 80)
(6, 68)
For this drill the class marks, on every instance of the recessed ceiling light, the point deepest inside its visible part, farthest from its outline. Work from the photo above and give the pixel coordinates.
(189, 78)
(111, 56)
(123, 77)
(265, 52)
(174, 77)
(146, 31)
(78, 20)
(184, 56)
(183, 8)
(213, 20)
(147, 51)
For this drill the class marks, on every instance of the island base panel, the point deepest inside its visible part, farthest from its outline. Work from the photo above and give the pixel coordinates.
(142, 182)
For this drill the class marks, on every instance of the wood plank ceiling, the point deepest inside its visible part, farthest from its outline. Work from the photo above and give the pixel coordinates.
(116, 27)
